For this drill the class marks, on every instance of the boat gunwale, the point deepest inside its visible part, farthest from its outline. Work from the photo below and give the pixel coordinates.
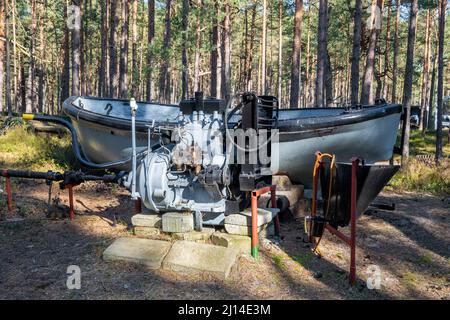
(285, 126)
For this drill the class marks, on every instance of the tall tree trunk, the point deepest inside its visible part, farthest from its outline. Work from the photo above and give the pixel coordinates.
(134, 54)
(31, 94)
(198, 42)
(214, 57)
(328, 76)
(3, 14)
(8, 64)
(440, 80)
(65, 76)
(123, 72)
(76, 52)
(395, 58)
(296, 56)
(431, 108)
(366, 93)
(387, 51)
(407, 88)
(280, 48)
(103, 50)
(356, 52)
(264, 46)
(150, 36)
(164, 79)
(249, 66)
(426, 73)
(321, 53)
(184, 59)
(113, 74)
(226, 54)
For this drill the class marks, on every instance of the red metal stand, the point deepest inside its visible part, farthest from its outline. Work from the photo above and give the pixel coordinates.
(254, 204)
(350, 240)
(8, 193)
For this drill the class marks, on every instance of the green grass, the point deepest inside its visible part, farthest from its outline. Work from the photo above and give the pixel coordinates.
(418, 176)
(21, 149)
(278, 260)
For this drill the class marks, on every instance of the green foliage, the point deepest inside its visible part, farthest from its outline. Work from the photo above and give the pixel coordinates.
(21, 149)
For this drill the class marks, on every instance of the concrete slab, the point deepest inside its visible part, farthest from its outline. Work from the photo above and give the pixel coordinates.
(241, 243)
(244, 218)
(146, 231)
(194, 257)
(198, 236)
(177, 222)
(147, 220)
(142, 251)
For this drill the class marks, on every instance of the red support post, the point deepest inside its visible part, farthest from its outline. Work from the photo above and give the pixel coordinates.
(254, 225)
(8, 193)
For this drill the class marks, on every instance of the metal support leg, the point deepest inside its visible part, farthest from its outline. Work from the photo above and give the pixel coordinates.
(8, 193)
(273, 198)
(255, 249)
(355, 163)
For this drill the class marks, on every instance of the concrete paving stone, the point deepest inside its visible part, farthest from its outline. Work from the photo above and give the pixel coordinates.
(241, 243)
(194, 257)
(178, 222)
(142, 251)
(244, 218)
(147, 220)
(146, 231)
(201, 236)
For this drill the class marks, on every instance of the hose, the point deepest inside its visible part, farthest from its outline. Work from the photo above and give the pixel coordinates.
(76, 148)
(316, 169)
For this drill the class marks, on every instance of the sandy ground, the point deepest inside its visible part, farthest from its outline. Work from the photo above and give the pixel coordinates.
(409, 247)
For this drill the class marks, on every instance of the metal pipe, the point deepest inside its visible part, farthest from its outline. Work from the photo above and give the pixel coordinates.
(71, 206)
(133, 107)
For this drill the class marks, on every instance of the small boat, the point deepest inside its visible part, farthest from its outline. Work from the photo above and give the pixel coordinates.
(103, 127)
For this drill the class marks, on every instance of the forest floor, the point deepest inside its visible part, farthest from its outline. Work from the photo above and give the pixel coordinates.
(410, 247)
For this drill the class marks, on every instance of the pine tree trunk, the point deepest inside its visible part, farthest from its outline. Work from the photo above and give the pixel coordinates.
(387, 51)
(76, 52)
(264, 46)
(296, 56)
(321, 54)
(113, 70)
(395, 58)
(123, 72)
(150, 36)
(198, 41)
(103, 50)
(407, 89)
(426, 74)
(440, 79)
(30, 104)
(2, 50)
(431, 107)
(184, 59)
(7, 65)
(366, 93)
(214, 55)
(280, 48)
(134, 54)
(249, 66)
(164, 79)
(226, 54)
(356, 52)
